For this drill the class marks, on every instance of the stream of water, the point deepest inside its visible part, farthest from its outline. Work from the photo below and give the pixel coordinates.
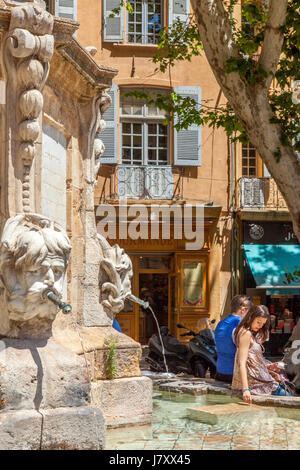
(161, 341)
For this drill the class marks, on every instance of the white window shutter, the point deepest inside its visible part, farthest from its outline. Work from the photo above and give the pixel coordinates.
(112, 22)
(266, 172)
(187, 142)
(66, 9)
(110, 134)
(179, 9)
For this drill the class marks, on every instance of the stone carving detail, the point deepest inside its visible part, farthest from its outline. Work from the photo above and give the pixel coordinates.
(117, 267)
(102, 103)
(34, 256)
(27, 51)
(292, 356)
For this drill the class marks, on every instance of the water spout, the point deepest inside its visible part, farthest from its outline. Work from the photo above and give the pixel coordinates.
(146, 305)
(66, 308)
(141, 302)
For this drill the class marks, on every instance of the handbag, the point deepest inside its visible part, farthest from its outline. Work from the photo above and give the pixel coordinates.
(288, 387)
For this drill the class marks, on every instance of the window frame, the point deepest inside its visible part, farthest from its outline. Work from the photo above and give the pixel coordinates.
(144, 23)
(145, 120)
(249, 147)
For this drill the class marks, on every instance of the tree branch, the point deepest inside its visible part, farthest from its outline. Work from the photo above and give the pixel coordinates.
(215, 30)
(273, 40)
(219, 46)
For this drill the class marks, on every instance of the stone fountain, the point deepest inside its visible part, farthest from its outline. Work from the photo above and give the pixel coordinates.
(55, 390)
(44, 388)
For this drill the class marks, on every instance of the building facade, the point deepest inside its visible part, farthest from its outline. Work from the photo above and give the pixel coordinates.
(266, 248)
(150, 164)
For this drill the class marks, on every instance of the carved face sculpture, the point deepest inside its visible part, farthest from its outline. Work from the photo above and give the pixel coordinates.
(34, 258)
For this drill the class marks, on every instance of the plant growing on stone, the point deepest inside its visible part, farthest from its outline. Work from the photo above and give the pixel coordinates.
(110, 358)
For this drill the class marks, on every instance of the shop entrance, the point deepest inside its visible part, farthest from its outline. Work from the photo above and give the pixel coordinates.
(285, 312)
(175, 285)
(154, 289)
(153, 286)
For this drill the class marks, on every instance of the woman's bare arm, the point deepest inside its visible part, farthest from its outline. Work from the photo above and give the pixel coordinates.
(243, 349)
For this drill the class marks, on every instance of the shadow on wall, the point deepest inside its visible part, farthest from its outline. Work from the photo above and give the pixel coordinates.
(226, 307)
(222, 239)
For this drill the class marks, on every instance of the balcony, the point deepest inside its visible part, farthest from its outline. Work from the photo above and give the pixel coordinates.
(145, 182)
(259, 194)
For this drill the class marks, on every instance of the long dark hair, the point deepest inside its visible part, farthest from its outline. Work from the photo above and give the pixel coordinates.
(256, 311)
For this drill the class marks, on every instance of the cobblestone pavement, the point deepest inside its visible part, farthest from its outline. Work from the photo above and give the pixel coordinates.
(172, 430)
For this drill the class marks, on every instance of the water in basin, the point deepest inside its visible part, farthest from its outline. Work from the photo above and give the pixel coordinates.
(173, 429)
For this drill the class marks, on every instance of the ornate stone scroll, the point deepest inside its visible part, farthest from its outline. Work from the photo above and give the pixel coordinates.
(115, 277)
(101, 104)
(34, 254)
(27, 50)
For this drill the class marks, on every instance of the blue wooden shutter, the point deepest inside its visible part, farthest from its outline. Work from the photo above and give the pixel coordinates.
(187, 142)
(110, 134)
(66, 9)
(112, 22)
(179, 9)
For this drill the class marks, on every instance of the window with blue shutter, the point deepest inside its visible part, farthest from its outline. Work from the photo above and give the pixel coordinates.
(187, 142)
(66, 9)
(112, 22)
(110, 134)
(179, 9)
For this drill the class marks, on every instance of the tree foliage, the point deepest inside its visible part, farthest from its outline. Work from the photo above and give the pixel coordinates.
(181, 42)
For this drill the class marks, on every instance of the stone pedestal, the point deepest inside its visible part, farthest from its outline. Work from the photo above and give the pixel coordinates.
(127, 398)
(45, 398)
(125, 401)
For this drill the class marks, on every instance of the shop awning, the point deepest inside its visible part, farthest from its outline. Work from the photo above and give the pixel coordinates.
(275, 268)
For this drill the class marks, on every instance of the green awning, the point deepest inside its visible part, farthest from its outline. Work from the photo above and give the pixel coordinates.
(275, 267)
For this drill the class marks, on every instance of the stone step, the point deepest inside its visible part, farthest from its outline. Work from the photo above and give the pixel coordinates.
(216, 414)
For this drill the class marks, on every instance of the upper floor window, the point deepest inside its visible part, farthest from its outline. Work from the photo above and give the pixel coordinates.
(62, 8)
(252, 164)
(135, 133)
(249, 160)
(144, 137)
(145, 22)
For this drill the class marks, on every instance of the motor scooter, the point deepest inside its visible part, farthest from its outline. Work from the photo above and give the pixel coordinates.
(194, 359)
(174, 354)
(203, 349)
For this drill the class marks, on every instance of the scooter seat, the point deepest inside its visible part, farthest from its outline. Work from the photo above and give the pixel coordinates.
(173, 345)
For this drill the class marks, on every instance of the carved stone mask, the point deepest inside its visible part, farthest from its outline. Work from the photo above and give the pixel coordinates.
(34, 257)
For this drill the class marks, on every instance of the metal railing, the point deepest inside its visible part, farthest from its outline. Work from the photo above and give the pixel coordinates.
(258, 194)
(145, 182)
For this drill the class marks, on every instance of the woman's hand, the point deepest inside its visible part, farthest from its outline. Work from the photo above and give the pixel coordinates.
(247, 397)
(275, 376)
(274, 367)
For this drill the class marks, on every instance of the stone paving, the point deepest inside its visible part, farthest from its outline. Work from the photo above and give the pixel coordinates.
(173, 430)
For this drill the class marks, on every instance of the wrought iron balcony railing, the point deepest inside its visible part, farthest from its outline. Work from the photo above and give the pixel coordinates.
(145, 182)
(259, 194)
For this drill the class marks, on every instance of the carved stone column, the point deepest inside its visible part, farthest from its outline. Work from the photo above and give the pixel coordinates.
(101, 104)
(26, 52)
